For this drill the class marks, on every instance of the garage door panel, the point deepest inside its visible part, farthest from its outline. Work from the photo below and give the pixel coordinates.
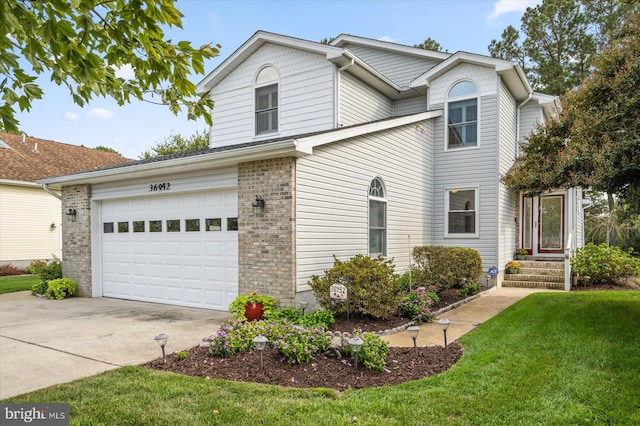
(195, 268)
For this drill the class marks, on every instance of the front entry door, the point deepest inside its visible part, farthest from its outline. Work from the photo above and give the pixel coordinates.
(542, 222)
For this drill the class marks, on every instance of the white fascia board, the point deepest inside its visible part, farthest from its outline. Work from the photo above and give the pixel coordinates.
(305, 145)
(9, 182)
(256, 41)
(344, 39)
(375, 73)
(164, 167)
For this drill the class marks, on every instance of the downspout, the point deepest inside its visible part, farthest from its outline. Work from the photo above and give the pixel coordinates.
(523, 103)
(337, 97)
(48, 191)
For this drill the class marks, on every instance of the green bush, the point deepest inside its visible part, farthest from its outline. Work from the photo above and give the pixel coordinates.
(237, 307)
(445, 267)
(373, 353)
(604, 264)
(372, 287)
(468, 288)
(322, 318)
(299, 344)
(47, 271)
(61, 288)
(39, 288)
(416, 304)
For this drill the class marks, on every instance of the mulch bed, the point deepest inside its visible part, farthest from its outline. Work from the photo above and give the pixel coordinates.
(323, 371)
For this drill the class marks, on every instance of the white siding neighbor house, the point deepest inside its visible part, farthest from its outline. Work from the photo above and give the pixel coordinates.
(356, 147)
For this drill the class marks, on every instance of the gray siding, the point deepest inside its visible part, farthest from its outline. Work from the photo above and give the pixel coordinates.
(399, 68)
(332, 197)
(508, 200)
(360, 103)
(306, 96)
(530, 117)
(470, 168)
(410, 106)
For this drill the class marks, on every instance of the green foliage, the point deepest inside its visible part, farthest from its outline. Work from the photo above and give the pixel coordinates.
(60, 288)
(81, 44)
(107, 149)
(299, 344)
(47, 270)
(178, 143)
(430, 44)
(604, 264)
(416, 304)
(373, 353)
(469, 288)
(39, 288)
(236, 336)
(322, 318)
(444, 267)
(237, 307)
(182, 355)
(372, 286)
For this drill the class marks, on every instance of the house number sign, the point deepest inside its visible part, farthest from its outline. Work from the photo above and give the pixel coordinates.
(338, 291)
(164, 186)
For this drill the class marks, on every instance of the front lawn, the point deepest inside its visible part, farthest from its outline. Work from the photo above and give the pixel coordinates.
(553, 358)
(18, 283)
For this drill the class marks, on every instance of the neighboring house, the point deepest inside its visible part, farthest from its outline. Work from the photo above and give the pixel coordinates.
(360, 146)
(30, 218)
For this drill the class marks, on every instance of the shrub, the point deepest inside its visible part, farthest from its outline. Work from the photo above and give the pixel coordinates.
(604, 264)
(469, 287)
(60, 288)
(408, 281)
(444, 267)
(373, 353)
(47, 271)
(299, 344)
(40, 288)
(8, 269)
(237, 307)
(236, 336)
(322, 318)
(182, 355)
(372, 286)
(416, 304)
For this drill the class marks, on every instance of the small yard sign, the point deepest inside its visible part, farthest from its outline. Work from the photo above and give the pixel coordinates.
(493, 271)
(338, 292)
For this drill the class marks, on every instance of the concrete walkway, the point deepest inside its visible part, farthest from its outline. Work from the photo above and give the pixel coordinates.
(45, 342)
(464, 318)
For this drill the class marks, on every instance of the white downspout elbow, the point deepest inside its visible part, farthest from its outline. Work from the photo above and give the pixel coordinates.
(337, 116)
(48, 191)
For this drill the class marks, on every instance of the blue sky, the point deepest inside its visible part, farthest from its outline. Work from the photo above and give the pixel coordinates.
(457, 25)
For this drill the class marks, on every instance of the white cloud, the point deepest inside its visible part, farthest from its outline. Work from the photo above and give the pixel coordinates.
(125, 71)
(71, 116)
(100, 114)
(389, 39)
(502, 7)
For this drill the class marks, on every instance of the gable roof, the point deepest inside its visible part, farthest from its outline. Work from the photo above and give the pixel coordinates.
(27, 159)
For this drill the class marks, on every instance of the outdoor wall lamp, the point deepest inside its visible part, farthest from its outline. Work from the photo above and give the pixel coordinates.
(71, 212)
(413, 333)
(356, 343)
(444, 323)
(260, 342)
(162, 341)
(258, 206)
(52, 226)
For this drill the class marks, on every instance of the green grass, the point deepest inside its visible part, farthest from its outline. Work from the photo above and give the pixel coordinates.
(552, 359)
(17, 283)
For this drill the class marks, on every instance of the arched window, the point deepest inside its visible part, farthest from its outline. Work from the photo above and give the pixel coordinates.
(462, 115)
(377, 218)
(267, 100)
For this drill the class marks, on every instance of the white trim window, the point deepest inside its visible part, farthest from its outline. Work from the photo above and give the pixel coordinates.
(461, 212)
(377, 218)
(462, 116)
(266, 101)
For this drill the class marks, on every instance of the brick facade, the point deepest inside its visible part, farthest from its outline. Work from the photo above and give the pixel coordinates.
(266, 244)
(76, 237)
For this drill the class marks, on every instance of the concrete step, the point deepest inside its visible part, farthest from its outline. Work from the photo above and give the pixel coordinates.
(545, 272)
(533, 284)
(534, 264)
(532, 277)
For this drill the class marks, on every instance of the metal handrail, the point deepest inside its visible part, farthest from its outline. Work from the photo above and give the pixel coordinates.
(567, 262)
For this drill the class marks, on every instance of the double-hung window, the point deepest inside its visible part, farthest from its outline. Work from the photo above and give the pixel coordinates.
(266, 102)
(462, 116)
(461, 212)
(377, 219)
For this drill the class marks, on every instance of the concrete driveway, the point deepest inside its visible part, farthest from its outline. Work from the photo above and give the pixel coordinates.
(44, 342)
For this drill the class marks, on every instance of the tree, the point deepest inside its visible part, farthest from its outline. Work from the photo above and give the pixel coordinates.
(178, 143)
(80, 44)
(509, 48)
(107, 149)
(327, 40)
(595, 142)
(430, 44)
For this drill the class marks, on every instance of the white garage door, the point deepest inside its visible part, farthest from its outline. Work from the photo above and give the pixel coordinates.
(173, 249)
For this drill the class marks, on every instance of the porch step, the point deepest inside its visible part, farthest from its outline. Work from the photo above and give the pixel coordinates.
(537, 273)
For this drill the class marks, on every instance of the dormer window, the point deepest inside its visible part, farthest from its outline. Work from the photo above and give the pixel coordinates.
(266, 101)
(462, 116)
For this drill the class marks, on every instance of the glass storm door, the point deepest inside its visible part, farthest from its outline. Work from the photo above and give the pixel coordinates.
(542, 222)
(551, 224)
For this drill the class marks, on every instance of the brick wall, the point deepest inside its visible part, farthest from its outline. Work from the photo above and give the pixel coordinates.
(76, 237)
(266, 244)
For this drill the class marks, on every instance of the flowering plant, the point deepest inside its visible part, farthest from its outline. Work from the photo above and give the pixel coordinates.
(522, 251)
(417, 304)
(512, 265)
(237, 307)
(299, 344)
